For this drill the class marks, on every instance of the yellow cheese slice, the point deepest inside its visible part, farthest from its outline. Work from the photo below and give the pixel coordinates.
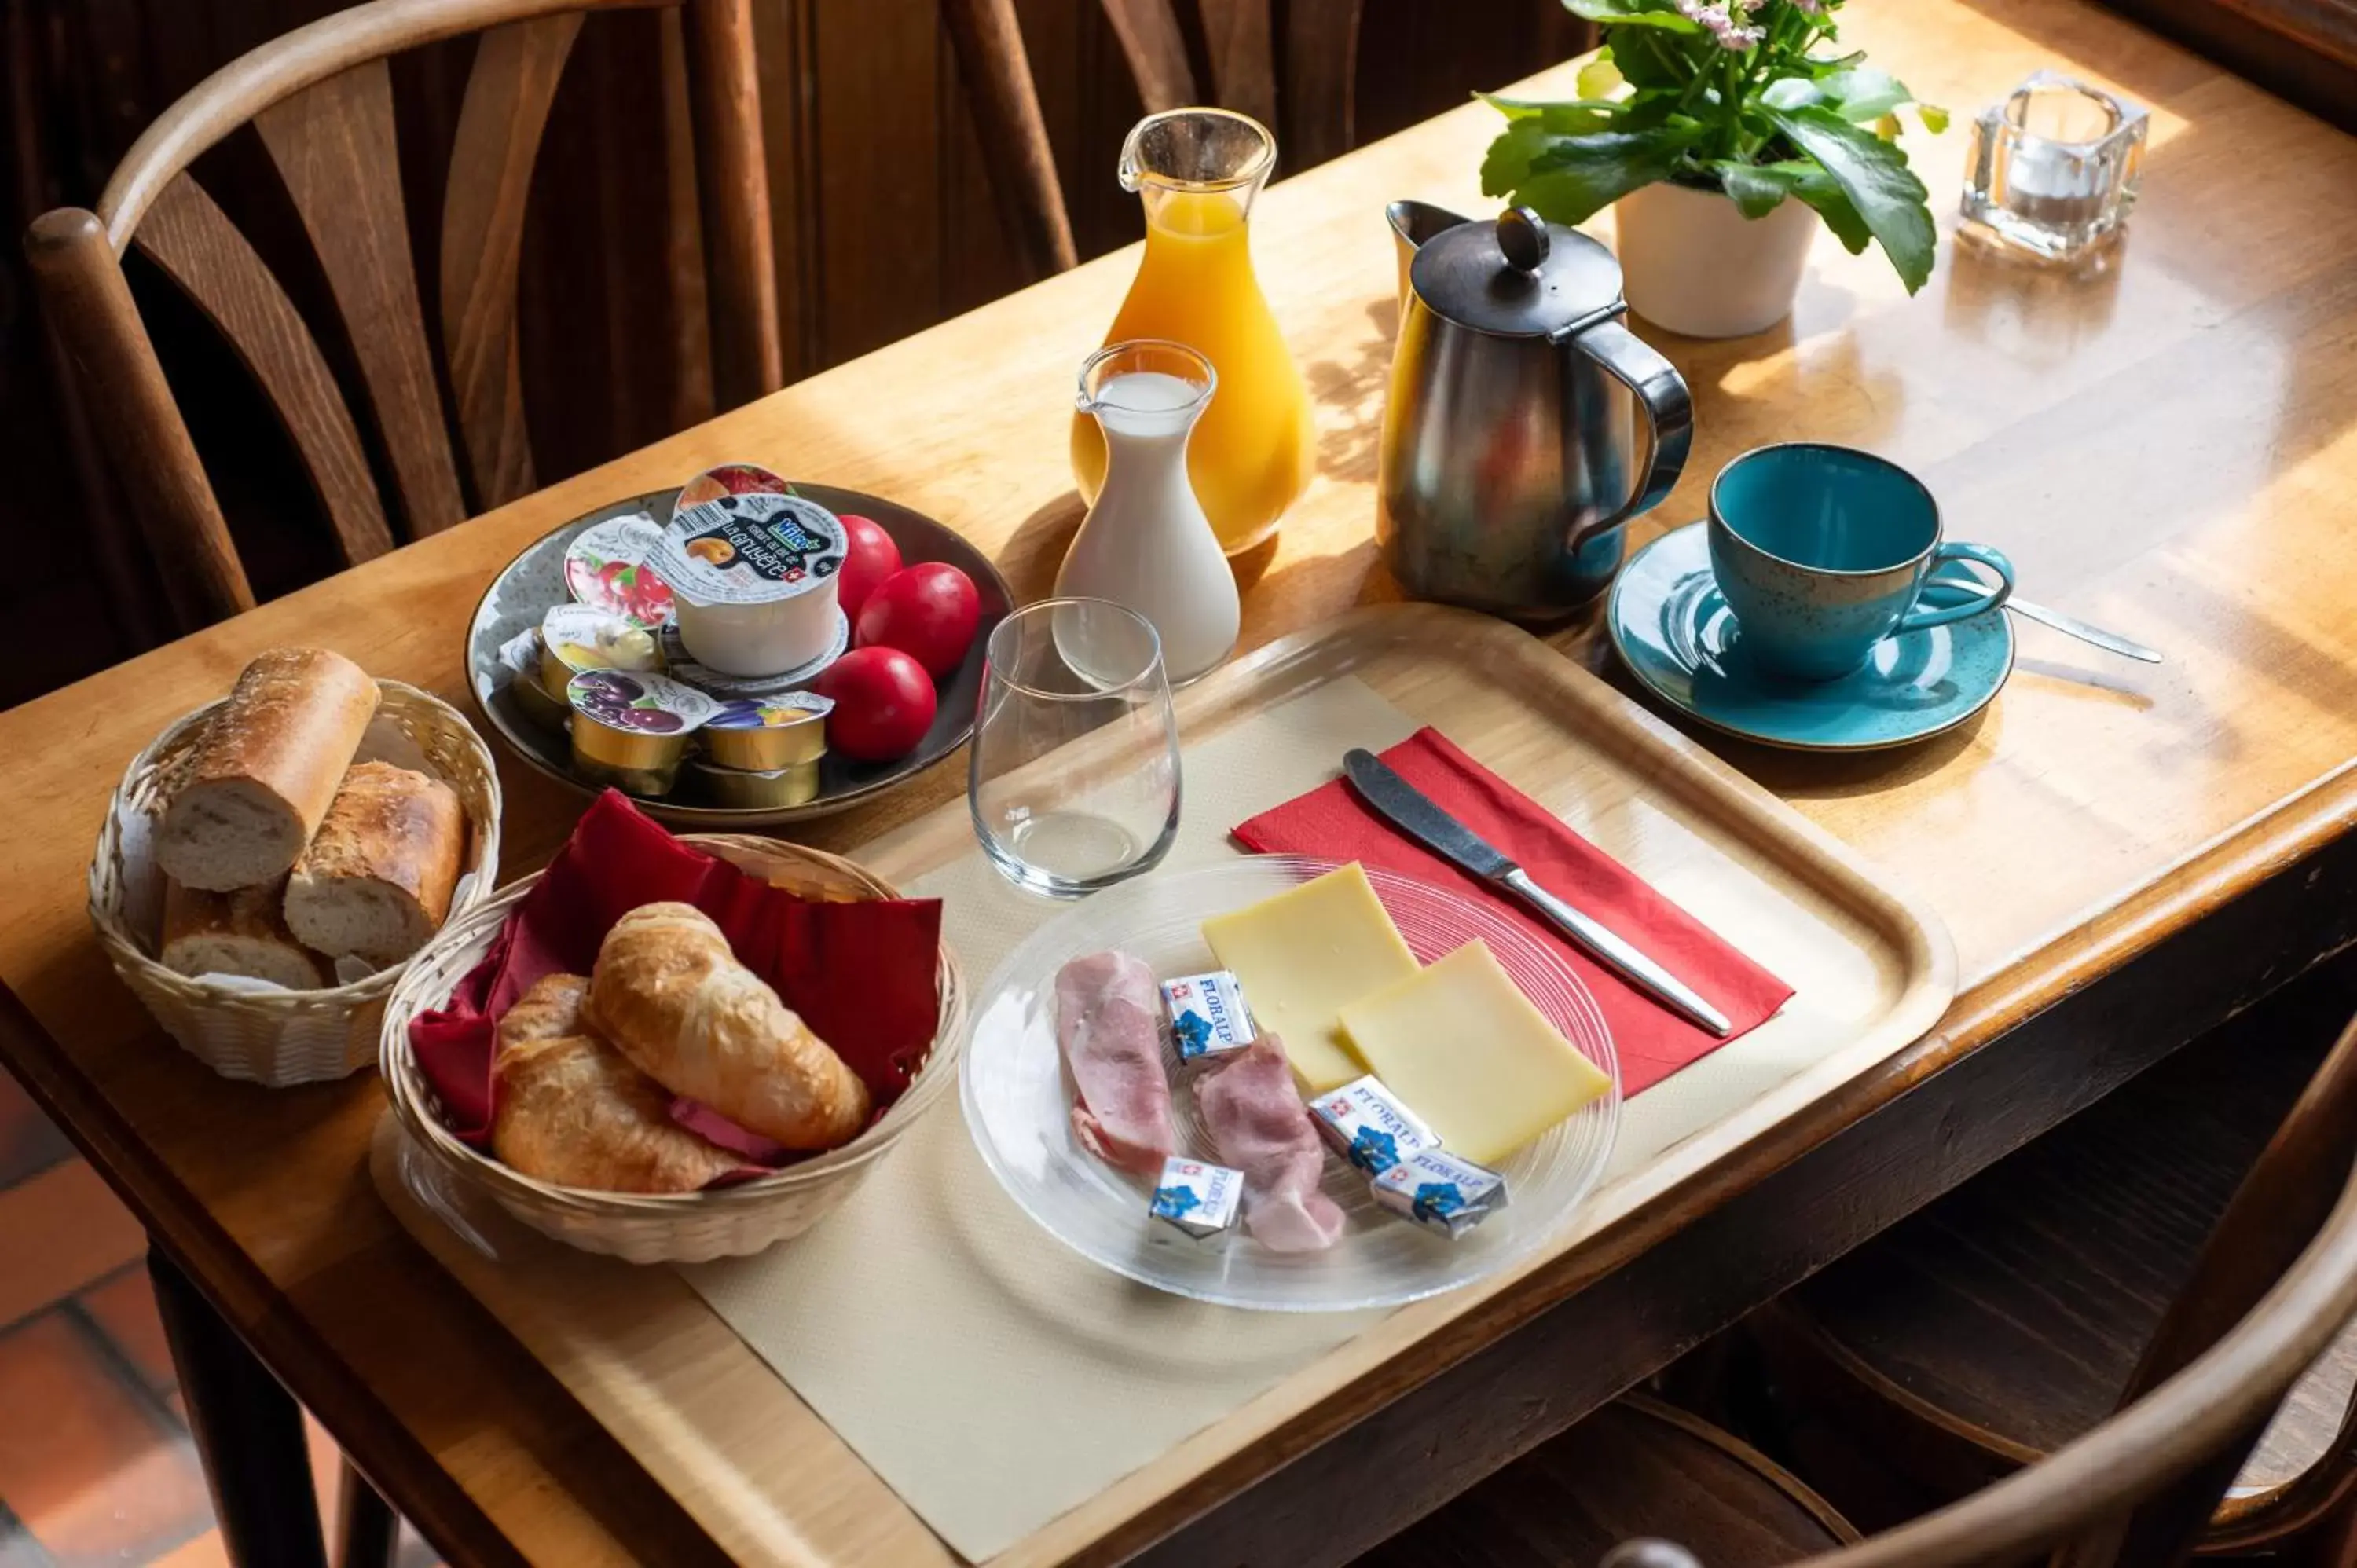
(1299, 956)
(1462, 1047)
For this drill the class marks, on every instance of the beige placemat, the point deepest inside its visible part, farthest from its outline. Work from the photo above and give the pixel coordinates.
(1059, 1376)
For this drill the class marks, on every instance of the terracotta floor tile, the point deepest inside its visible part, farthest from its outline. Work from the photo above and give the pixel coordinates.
(60, 1231)
(104, 1477)
(123, 1307)
(27, 1139)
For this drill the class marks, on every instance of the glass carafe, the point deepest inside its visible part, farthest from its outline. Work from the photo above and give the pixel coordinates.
(1197, 170)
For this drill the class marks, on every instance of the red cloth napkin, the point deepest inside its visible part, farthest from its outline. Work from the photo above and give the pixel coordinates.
(862, 975)
(1332, 823)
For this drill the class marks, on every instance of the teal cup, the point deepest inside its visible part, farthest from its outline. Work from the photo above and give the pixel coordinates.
(1821, 553)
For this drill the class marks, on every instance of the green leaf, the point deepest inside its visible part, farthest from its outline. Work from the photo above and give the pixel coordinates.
(1600, 78)
(1571, 179)
(1756, 191)
(1632, 12)
(1873, 174)
(1816, 188)
(1647, 56)
(1789, 92)
(1569, 118)
(1934, 118)
(1862, 93)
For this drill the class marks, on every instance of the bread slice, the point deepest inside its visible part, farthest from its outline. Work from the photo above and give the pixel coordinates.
(241, 932)
(377, 878)
(264, 775)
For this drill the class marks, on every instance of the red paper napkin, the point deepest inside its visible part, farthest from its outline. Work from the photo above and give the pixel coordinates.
(862, 975)
(1332, 823)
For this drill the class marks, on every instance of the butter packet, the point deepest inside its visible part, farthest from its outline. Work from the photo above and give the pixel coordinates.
(1440, 1191)
(1208, 1015)
(1368, 1126)
(1197, 1198)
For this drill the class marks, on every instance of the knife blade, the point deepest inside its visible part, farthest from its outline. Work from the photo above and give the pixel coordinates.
(1416, 814)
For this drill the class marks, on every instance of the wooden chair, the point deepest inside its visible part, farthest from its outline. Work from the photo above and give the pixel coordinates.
(2013, 1314)
(2275, 1285)
(321, 99)
(1321, 57)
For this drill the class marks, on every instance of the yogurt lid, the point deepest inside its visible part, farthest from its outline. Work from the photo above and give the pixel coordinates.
(605, 567)
(647, 704)
(771, 713)
(584, 637)
(737, 537)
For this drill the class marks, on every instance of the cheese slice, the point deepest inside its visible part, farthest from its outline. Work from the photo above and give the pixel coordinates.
(1301, 955)
(1460, 1045)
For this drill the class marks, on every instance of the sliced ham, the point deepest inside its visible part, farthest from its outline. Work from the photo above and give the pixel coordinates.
(1105, 1023)
(1260, 1126)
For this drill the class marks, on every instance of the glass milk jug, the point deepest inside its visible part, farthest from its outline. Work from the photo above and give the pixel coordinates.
(1197, 170)
(1145, 544)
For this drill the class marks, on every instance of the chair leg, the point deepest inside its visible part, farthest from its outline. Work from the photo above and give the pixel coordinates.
(367, 1532)
(249, 1432)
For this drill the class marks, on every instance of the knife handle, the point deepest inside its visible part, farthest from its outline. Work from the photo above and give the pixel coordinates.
(1620, 956)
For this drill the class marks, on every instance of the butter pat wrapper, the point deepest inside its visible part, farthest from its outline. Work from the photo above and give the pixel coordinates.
(1208, 1016)
(1197, 1198)
(1441, 1192)
(1367, 1125)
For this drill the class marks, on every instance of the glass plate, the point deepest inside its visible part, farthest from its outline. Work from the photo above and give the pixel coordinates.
(1019, 1099)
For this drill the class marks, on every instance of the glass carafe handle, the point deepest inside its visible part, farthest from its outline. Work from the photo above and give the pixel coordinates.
(1669, 415)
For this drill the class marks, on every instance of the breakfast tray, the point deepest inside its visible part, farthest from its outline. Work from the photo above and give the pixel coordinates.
(886, 1387)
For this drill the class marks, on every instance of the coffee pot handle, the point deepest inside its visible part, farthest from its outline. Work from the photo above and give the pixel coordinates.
(1669, 413)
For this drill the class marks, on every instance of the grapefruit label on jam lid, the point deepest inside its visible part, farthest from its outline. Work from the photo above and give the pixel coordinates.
(605, 568)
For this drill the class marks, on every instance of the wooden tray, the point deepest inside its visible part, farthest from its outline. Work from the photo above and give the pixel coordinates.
(1871, 968)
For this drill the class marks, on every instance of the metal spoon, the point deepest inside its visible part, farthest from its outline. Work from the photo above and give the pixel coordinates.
(2069, 626)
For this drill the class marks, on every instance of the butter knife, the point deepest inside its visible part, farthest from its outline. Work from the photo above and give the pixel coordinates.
(1416, 814)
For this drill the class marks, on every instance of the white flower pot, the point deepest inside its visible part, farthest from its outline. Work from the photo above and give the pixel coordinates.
(1695, 264)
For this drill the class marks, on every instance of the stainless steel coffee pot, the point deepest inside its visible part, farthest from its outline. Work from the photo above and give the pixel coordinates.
(1525, 424)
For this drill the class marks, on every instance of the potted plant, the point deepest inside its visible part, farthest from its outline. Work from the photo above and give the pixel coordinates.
(1721, 127)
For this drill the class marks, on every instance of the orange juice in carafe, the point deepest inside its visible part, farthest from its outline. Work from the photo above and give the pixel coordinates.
(1197, 171)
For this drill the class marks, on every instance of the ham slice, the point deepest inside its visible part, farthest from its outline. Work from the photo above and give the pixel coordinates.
(1106, 1024)
(1260, 1126)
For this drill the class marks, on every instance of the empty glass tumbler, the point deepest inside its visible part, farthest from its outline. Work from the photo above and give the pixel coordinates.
(1073, 778)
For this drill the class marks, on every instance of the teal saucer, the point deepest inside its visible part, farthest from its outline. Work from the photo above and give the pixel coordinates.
(1677, 636)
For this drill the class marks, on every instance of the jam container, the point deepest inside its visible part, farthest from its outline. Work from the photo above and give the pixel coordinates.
(605, 568)
(531, 693)
(575, 639)
(752, 573)
(762, 737)
(631, 730)
(756, 789)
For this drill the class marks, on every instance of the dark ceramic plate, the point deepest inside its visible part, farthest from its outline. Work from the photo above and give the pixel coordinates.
(534, 581)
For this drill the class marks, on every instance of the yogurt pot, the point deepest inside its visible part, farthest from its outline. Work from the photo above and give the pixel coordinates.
(575, 639)
(764, 736)
(742, 788)
(605, 568)
(752, 573)
(631, 730)
(681, 666)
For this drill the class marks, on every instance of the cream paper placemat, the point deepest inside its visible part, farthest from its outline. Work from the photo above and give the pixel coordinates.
(1054, 1378)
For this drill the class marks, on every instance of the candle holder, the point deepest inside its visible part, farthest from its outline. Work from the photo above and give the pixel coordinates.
(2053, 170)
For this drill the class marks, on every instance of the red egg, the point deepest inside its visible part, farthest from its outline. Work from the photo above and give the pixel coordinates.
(927, 611)
(883, 704)
(870, 556)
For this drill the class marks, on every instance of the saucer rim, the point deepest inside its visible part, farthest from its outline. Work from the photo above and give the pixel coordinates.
(1620, 648)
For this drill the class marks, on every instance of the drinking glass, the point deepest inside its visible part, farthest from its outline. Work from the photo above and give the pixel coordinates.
(1074, 776)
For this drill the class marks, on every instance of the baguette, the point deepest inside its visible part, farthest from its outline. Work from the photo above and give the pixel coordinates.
(573, 1110)
(671, 997)
(261, 780)
(376, 880)
(240, 933)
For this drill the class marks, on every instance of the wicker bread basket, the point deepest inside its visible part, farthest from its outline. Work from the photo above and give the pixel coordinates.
(280, 1037)
(687, 1228)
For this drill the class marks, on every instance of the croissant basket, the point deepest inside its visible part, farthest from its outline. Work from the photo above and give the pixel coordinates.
(279, 1038)
(681, 1228)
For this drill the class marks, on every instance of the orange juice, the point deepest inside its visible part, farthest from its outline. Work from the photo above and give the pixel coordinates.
(1256, 445)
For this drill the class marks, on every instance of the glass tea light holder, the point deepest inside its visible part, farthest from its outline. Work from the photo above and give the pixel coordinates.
(2053, 170)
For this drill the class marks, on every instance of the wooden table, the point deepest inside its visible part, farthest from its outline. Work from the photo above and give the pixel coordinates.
(2124, 854)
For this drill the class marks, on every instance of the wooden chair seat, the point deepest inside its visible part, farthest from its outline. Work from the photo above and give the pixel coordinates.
(2007, 1318)
(1637, 1467)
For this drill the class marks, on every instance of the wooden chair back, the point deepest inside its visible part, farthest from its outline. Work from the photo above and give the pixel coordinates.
(1319, 50)
(2275, 1284)
(321, 99)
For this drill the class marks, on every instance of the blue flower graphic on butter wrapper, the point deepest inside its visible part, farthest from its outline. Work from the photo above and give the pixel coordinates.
(1374, 1150)
(1175, 1202)
(1193, 1033)
(1438, 1199)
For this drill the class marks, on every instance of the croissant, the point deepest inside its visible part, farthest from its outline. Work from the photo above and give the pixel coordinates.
(671, 997)
(571, 1110)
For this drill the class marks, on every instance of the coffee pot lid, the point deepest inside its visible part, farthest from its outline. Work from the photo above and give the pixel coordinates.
(1518, 277)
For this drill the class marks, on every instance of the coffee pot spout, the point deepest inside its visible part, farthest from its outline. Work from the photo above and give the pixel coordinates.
(1413, 224)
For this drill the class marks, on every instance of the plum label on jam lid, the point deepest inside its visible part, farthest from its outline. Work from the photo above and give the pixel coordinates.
(583, 637)
(605, 567)
(770, 712)
(747, 547)
(645, 704)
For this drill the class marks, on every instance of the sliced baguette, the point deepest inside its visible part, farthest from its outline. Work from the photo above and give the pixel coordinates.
(377, 878)
(240, 933)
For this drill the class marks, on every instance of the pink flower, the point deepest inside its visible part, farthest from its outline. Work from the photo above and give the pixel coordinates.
(1718, 18)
